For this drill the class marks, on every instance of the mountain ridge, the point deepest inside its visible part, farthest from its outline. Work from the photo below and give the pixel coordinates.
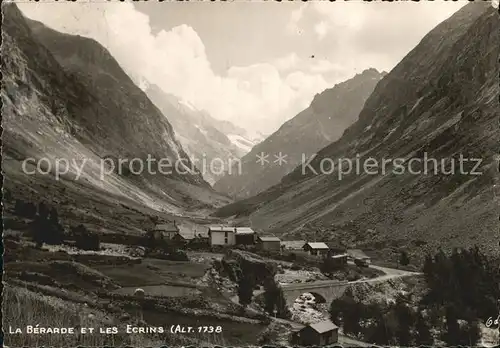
(434, 101)
(53, 113)
(204, 138)
(303, 135)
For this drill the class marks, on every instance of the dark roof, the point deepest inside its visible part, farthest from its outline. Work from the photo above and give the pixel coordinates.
(357, 254)
(168, 227)
(323, 326)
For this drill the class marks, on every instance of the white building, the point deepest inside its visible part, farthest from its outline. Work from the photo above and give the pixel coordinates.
(222, 235)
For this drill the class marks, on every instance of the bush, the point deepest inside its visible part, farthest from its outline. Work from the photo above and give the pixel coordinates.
(274, 300)
(404, 260)
(25, 209)
(46, 228)
(171, 255)
(84, 239)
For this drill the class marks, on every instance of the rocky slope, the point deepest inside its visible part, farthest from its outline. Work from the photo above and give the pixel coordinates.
(440, 100)
(323, 122)
(66, 99)
(209, 142)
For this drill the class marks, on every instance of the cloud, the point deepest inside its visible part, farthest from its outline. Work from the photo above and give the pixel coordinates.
(321, 29)
(344, 38)
(371, 34)
(295, 17)
(288, 62)
(258, 97)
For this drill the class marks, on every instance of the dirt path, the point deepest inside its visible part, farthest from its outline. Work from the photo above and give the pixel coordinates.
(390, 273)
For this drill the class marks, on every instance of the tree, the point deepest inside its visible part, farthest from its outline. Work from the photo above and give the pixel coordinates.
(404, 317)
(54, 216)
(84, 239)
(43, 211)
(452, 328)
(380, 332)
(404, 259)
(27, 210)
(423, 335)
(246, 283)
(328, 266)
(282, 310)
(274, 299)
(46, 227)
(351, 319)
(470, 333)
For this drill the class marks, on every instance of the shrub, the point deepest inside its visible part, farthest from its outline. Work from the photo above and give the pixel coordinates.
(404, 260)
(246, 284)
(84, 239)
(46, 229)
(25, 209)
(43, 210)
(274, 300)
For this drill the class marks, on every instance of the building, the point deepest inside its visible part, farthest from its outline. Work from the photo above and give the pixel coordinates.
(316, 248)
(244, 236)
(293, 244)
(221, 235)
(271, 243)
(165, 231)
(359, 255)
(319, 334)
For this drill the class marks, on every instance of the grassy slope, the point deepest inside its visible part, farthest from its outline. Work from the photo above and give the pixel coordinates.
(424, 104)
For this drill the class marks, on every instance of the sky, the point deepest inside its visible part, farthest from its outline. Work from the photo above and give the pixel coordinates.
(256, 64)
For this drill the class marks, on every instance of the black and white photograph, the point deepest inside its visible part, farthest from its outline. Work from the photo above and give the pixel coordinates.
(250, 173)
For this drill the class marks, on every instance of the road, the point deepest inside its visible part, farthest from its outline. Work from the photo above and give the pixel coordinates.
(390, 273)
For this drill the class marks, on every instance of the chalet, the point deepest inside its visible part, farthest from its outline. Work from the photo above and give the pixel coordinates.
(319, 334)
(221, 235)
(292, 244)
(316, 248)
(244, 236)
(359, 255)
(269, 243)
(165, 231)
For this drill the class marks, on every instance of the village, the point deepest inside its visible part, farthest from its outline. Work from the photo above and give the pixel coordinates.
(226, 236)
(219, 237)
(260, 288)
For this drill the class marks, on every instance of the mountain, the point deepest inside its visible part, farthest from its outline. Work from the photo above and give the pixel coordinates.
(209, 142)
(440, 100)
(323, 122)
(67, 102)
